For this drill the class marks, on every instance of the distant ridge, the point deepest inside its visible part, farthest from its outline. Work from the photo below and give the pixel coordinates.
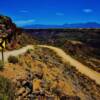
(76, 25)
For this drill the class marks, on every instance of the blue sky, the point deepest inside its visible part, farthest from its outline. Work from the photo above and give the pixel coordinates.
(26, 12)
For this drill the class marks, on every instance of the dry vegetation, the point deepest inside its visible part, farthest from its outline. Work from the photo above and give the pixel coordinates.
(6, 89)
(42, 74)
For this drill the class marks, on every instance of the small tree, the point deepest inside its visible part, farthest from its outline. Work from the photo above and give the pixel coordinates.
(13, 59)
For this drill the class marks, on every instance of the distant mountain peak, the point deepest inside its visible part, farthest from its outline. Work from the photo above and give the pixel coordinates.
(73, 25)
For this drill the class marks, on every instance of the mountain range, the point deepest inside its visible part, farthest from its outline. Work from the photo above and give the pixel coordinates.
(76, 25)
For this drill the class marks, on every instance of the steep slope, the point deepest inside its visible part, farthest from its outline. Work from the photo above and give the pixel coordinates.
(40, 74)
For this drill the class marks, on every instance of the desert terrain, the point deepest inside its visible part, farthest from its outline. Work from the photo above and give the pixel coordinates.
(49, 64)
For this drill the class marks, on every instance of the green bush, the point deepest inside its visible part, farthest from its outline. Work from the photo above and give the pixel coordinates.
(13, 59)
(1, 65)
(6, 89)
(29, 51)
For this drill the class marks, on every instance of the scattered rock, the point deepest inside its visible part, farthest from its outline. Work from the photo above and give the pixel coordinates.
(21, 91)
(39, 75)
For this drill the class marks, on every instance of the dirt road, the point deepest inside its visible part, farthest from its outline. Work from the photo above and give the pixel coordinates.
(15, 52)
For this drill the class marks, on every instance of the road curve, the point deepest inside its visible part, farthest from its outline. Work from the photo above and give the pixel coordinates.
(79, 66)
(65, 57)
(16, 52)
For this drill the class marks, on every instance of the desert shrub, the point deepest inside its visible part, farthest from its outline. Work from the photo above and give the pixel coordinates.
(13, 59)
(29, 51)
(56, 91)
(1, 65)
(6, 89)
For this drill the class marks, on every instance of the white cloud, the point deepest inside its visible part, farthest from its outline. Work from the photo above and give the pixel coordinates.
(25, 22)
(24, 11)
(87, 10)
(59, 14)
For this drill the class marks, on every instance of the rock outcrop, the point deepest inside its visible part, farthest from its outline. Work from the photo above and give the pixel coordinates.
(7, 27)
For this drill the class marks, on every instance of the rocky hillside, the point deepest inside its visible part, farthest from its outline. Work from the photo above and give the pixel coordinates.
(13, 35)
(6, 26)
(42, 75)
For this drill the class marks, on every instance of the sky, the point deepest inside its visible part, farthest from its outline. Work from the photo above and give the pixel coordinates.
(51, 12)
